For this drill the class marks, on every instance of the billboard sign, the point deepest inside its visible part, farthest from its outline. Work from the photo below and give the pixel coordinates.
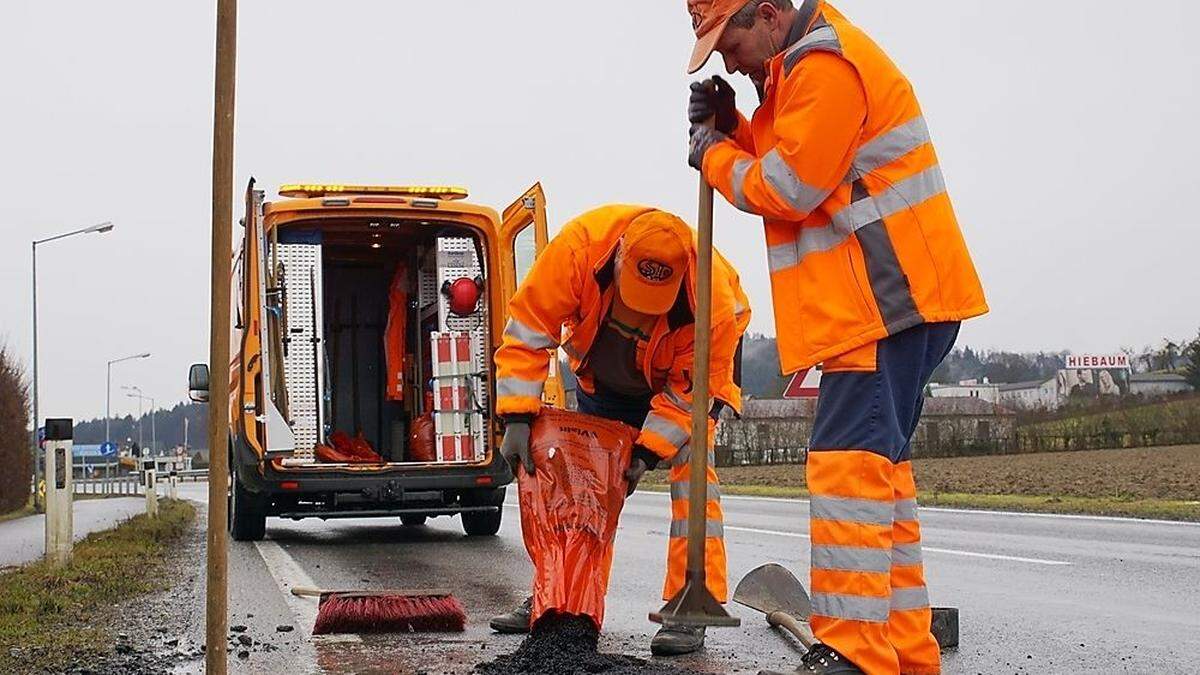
(1097, 361)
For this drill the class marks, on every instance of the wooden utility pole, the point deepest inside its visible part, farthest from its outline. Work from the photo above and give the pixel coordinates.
(217, 601)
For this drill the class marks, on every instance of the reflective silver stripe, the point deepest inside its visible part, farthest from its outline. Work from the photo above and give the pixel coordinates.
(848, 510)
(824, 37)
(853, 607)
(910, 598)
(667, 429)
(782, 256)
(906, 194)
(799, 195)
(513, 386)
(571, 351)
(679, 490)
(906, 554)
(712, 528)
(890, 146)
(678, 401)
(528, 336)
(740, 168)
(853, 558)
(906, 509)
(685, 455)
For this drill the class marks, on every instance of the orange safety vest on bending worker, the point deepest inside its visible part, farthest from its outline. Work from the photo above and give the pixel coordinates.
(565, 301)
(862, 239)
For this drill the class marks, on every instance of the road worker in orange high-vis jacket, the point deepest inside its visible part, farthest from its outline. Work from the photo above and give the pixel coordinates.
(616, 290)
(870, 276)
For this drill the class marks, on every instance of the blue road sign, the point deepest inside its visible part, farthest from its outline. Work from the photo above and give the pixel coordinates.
(108, 449)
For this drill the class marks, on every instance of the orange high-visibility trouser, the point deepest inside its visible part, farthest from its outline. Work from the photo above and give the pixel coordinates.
(869, 597)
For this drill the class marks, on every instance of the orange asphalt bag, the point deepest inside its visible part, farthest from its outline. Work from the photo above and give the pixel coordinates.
(569, 509)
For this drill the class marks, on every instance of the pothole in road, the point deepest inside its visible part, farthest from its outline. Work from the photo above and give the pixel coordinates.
(562, 644)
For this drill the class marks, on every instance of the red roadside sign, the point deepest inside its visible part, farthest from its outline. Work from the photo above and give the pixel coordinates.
(804, 384)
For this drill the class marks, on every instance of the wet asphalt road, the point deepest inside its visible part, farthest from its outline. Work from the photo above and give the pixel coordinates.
(1037, 594)
(24, 539)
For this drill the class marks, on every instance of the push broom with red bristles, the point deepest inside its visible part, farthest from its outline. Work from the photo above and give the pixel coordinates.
(386, 611)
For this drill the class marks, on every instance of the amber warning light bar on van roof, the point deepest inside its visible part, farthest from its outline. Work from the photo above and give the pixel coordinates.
(305, 190)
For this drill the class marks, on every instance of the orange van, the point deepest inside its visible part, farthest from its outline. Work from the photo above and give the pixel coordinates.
(362, 382)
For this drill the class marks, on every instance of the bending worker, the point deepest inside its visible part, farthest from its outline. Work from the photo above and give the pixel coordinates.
(870, 275)
(619, 283)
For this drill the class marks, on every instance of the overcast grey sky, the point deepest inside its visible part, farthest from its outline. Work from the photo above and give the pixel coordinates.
(1066, 130)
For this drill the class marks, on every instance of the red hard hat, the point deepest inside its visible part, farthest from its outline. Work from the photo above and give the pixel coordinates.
(463, 294)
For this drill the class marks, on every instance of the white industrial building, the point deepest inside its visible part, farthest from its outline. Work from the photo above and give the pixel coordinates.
(984, 391)
(1158, 384)
(1031, 395)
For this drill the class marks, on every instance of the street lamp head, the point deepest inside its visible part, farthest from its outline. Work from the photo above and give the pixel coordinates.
(102, 227)
(143, 356)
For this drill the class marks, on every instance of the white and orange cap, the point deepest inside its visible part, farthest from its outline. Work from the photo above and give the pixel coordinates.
(656, 251)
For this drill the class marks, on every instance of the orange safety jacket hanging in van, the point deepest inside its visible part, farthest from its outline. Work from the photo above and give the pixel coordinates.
(862, 239)
(395, 334)
(564, 302)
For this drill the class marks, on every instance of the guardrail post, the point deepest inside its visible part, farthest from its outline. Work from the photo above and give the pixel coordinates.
(151, 485)
(60, 525)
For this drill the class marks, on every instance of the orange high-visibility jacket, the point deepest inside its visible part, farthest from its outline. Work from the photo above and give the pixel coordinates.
(566, 298)
(862, 239)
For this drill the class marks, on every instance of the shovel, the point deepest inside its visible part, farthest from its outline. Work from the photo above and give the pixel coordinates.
(774, 591)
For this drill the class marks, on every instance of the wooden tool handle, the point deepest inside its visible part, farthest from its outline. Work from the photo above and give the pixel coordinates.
(789, 622)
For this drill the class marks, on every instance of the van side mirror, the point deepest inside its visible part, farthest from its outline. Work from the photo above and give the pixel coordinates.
(198, 382)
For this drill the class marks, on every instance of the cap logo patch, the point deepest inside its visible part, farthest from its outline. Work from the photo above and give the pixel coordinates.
(654, 271)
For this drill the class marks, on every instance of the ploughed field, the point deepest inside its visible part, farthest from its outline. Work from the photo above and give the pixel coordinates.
(1163, 473)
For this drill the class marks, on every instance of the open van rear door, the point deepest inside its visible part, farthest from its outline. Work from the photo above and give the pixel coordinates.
(523, 236)
(264, 308)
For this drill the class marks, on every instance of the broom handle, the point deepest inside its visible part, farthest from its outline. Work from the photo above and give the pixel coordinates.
(308, 591)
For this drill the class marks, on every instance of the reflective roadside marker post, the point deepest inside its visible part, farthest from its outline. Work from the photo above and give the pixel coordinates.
(60, 523)
(173, 491)
(151, 484)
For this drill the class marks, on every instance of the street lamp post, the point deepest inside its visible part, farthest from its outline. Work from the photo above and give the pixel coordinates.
(108, 391)
(37, 465)
(142, 397)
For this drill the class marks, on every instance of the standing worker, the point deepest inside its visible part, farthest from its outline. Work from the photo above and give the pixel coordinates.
(870, 275)
(621, 281)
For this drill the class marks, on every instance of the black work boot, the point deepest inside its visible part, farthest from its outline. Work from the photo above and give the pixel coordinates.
(827, 661)
(676, 640)
(516, 621)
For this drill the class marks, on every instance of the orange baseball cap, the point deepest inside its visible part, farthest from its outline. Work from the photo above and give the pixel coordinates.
(709, 18)
(656, 251)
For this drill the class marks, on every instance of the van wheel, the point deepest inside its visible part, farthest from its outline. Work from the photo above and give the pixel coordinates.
(413, 519)
(481, 523)
(247, 518)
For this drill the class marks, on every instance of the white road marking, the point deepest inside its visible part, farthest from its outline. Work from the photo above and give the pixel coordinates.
(943, 509)
(287, 573)
(929, 549)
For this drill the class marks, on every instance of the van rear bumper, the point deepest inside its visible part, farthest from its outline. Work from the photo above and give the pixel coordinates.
(392, 491)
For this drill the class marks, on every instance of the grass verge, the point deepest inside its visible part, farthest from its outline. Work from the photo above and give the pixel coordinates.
(47, 614)
(1163, 509)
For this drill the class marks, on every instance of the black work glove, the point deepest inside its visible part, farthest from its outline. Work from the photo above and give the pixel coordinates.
(713, 98)
(515, 447)
(701, 138)
(642, 460)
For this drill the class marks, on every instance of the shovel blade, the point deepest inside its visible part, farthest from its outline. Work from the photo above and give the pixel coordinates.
(772, 588)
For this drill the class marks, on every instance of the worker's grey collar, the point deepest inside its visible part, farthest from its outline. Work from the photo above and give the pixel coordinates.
(804, 18)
